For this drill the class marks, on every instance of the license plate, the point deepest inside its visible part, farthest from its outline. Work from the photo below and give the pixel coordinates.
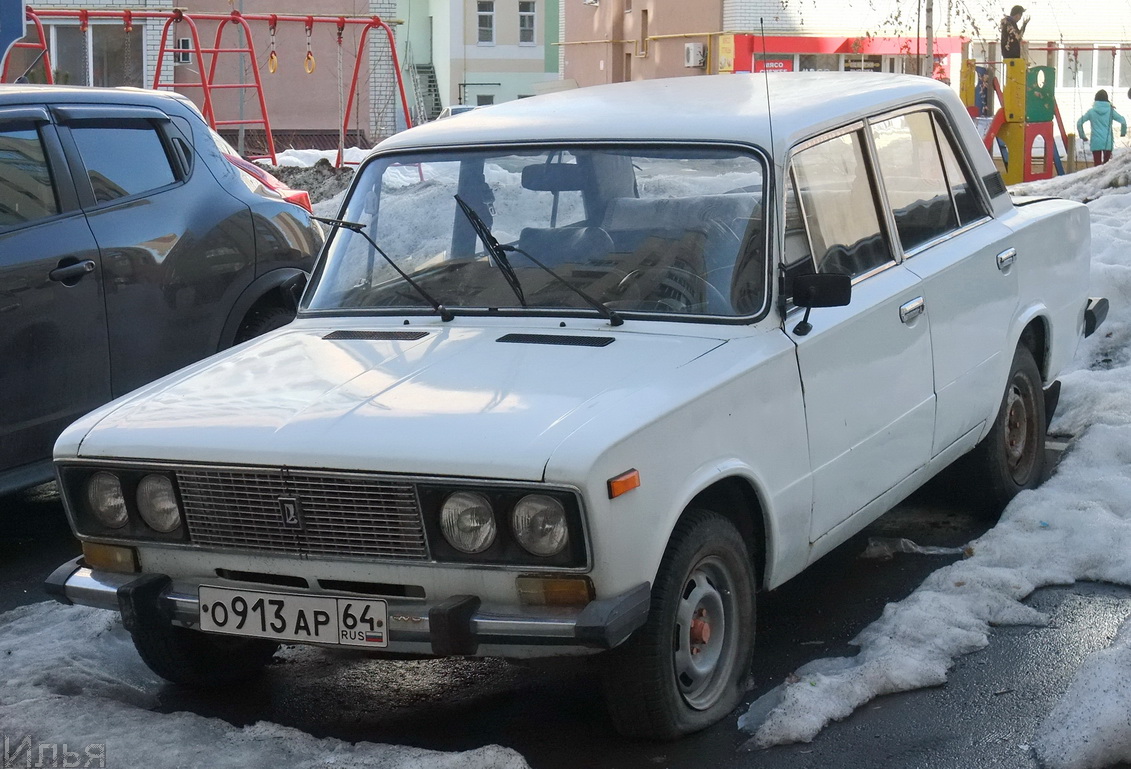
(301, 618)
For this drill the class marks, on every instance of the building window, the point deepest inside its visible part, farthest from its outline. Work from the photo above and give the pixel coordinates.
(526, 23)
(1124, 68)
(1077, 69)
(486, 14)
(182, 56)
(1105, 67)
(483, 99)
(100, 55)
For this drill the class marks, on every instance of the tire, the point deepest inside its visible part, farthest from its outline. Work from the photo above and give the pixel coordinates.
(195, 659)
(263, 319)
(675, 676)
(1011, 458)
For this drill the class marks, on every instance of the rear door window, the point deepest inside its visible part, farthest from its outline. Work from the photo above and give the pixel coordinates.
(26, 189)
(837, 205)
(913, 176)
(123, 159)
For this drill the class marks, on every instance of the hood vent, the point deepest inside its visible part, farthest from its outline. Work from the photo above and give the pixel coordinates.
(379, 336)
(558, 339)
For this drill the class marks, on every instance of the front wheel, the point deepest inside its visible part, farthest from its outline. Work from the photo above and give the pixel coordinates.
(200, 660)
(1011, 457)
(687, 667)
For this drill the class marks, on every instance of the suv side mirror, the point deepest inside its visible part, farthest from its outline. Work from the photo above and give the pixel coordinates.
(826, 289)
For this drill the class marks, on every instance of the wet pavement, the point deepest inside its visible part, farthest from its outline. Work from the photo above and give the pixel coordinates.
(551, 712)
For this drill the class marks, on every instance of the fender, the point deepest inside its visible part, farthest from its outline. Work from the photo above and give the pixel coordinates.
(782, 559)
(1026, 314)
(255, 291)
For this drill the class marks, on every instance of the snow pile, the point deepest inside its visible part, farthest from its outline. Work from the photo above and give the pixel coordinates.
(1111, 178)
(71, 675)
(307, 158)
(1090, 725)
(1077, 526)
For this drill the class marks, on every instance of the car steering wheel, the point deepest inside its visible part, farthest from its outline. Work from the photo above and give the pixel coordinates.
(678, 291)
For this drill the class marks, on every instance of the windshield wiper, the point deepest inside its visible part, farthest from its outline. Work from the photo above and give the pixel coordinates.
(359, 228)
(498, 251)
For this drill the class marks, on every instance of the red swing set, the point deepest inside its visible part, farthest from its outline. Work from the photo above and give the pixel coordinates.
(207, 67)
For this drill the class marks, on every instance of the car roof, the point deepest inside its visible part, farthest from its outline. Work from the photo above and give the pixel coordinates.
(75, 94)
(729, 108)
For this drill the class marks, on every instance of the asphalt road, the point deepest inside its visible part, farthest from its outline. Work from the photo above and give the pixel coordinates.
(551, 712)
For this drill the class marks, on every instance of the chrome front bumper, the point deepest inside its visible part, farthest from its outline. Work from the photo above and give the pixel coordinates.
(456, 626)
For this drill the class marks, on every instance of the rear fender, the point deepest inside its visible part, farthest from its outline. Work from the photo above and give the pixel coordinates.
(261, 287)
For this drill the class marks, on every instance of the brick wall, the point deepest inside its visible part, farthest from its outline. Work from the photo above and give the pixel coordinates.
(386, 114)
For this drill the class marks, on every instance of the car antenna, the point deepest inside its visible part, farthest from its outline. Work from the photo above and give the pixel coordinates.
(770, 124)
(766, 77)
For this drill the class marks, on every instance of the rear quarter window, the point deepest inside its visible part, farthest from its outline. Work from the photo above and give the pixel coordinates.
(124, 159)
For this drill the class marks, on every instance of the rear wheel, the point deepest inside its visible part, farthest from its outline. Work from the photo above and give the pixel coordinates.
(686, 668)
(1011, 458)
(200, 660)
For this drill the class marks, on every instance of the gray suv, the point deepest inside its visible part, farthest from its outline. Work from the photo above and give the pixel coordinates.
(129, 247)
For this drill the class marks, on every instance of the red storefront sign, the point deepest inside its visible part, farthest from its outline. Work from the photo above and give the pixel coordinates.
(774, 65)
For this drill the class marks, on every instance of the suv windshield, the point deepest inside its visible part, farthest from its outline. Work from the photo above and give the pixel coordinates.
(644, 231)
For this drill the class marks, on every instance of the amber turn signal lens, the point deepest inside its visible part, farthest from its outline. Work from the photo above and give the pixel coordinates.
(554, 591)
(110, 557)
(624, 483)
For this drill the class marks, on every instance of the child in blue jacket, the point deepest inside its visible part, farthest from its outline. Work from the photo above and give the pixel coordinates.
(1101, 116)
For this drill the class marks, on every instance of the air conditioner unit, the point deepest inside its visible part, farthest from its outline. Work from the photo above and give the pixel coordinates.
(694, 55)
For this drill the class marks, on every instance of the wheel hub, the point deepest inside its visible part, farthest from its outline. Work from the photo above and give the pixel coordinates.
(704, 653)
(1020, 432)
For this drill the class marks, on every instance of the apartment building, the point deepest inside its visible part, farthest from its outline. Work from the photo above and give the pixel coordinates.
(613, 40)
(477, 52)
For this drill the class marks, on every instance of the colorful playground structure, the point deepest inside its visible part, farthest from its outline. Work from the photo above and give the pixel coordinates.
(1028, 109)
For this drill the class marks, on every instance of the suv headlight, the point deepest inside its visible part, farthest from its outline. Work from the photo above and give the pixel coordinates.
(106, 501)
(157, 503)
(468, 522)
(539, 525)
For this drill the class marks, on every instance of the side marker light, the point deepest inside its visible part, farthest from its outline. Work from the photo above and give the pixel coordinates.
(623, 483)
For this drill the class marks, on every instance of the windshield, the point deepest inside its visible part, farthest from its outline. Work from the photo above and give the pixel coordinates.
(671, 232)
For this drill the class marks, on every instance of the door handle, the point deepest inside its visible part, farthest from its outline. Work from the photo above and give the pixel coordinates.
(1006, 257)
(909, 311)
(71, 274)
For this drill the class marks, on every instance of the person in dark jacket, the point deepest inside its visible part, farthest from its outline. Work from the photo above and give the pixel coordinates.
(1101, 116)
(1011, 33)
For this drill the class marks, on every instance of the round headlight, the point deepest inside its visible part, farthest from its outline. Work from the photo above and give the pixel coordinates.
(157, 503)
(105, 499)
(539, 524)
(468, 522)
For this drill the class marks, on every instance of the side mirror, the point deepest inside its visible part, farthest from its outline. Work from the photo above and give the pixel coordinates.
(820, 290)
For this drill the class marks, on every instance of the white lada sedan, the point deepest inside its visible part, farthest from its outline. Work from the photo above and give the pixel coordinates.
(584, 373)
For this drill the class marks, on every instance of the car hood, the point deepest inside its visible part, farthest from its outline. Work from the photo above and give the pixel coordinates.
(456, 401)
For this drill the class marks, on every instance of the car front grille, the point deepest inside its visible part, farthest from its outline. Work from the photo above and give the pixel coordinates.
(306, 512)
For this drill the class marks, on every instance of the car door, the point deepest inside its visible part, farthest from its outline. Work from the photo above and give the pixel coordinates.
(964, 258)
(177, 249)
(54, 359)
(865, 368)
